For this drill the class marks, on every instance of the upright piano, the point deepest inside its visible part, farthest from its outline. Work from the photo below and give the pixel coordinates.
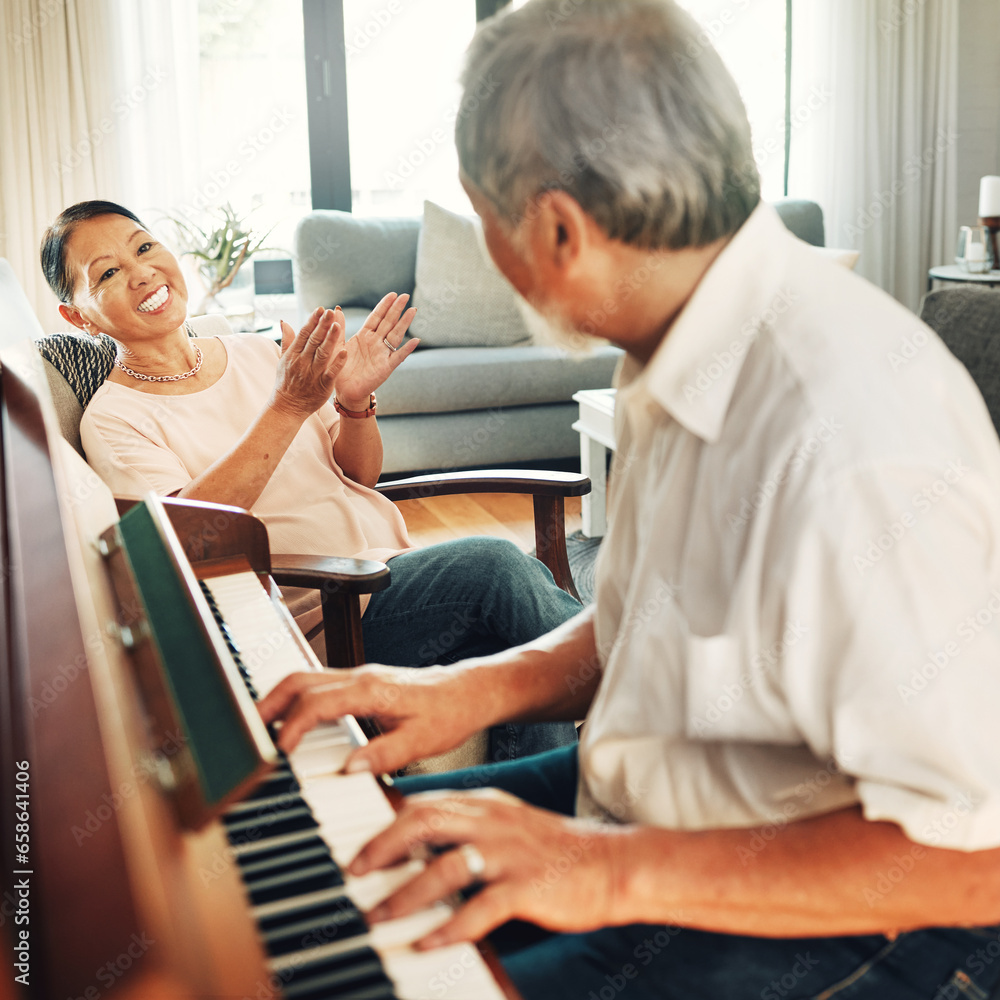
(156, 845)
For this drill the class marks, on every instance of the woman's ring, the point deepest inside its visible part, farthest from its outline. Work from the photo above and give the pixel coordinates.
(474, 861)
(385, 340)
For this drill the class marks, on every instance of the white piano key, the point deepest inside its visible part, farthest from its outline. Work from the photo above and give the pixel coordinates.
(403, 931)
(369, 890)
(267, 648)
(319, 761)
(351, 810)
(327, 734)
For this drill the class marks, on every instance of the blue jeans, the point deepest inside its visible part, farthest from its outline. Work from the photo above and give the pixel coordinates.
(463, 598)
(662, 962)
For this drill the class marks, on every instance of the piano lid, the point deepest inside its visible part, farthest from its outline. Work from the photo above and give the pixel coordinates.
(189, 676)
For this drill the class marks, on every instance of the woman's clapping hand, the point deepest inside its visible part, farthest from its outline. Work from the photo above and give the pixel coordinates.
(310, 363)
(319, 359)
(369, 361)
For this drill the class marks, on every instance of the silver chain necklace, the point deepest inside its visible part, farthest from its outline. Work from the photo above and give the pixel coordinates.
(167, 378)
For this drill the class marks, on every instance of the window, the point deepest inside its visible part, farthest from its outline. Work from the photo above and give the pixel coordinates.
(403, 63)
(749, 35)
(254, 138)
(362, 117)
(382, 85)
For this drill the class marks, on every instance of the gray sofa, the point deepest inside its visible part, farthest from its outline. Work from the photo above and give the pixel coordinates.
(458, 407)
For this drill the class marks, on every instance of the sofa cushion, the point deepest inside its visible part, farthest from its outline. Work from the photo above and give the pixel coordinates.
(342, 259)
(462, 299)
(476, 439)
(845, 258)
(475, 378)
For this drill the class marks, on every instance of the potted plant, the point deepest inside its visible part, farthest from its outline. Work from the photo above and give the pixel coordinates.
(222, 247)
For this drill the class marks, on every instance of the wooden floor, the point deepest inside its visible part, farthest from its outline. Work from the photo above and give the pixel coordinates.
(501, 515)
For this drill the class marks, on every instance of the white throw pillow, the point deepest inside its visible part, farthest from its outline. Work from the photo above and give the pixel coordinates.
(846, 258)
(462, 299)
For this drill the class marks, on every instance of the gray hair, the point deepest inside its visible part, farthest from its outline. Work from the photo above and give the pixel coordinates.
(620, 103)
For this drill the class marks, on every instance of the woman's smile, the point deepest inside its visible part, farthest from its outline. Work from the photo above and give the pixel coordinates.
(155, 301)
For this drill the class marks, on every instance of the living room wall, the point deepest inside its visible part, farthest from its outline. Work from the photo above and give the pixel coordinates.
(978, 101)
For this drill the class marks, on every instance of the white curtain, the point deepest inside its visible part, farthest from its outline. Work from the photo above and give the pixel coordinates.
(875, 115)
(97, 100)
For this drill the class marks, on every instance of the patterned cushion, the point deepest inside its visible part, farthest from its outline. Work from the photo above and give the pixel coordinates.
(462, 299)
(84, 361)
(967, 319)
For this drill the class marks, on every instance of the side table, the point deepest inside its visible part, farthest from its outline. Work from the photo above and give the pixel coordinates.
(596, 428)
(952, 272)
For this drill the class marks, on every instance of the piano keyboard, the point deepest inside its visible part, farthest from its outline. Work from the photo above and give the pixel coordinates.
(294, 837)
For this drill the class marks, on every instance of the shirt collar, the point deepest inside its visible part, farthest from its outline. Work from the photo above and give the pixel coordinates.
(694, 371)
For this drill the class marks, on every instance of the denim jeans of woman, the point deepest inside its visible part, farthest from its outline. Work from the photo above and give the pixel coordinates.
(670, 962)
(463, 598)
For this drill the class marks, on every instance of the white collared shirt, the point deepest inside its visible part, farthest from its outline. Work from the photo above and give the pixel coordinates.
(798, 599)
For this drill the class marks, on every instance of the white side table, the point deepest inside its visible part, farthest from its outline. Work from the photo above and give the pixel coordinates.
(596, 428)
(952, 272)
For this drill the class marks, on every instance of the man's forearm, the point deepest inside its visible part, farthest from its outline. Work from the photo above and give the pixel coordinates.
(552, 678)
(836, 874)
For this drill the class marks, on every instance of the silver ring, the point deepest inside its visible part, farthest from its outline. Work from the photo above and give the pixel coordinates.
(385, 340)
(474, 861)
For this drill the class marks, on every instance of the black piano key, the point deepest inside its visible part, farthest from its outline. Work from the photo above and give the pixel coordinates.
(259, 806)
(230, 640)
(379, 989)
(273, 861)
(279, 782)
(356, 975)
(334, 920)
(294, 882)
(258, 826)
(285, 842)
(226, 633)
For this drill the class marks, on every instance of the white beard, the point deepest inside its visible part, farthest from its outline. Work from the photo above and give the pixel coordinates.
(550, 329)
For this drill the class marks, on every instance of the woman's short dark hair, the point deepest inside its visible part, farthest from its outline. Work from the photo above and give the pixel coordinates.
(57, 236)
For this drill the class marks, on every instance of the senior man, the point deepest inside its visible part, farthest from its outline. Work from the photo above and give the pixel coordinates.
(788, 783)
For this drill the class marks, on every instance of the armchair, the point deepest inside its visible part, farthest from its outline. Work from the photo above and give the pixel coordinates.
(967, 319)
(341, 582)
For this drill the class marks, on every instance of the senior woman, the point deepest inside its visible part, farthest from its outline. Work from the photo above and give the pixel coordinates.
(233, 419)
